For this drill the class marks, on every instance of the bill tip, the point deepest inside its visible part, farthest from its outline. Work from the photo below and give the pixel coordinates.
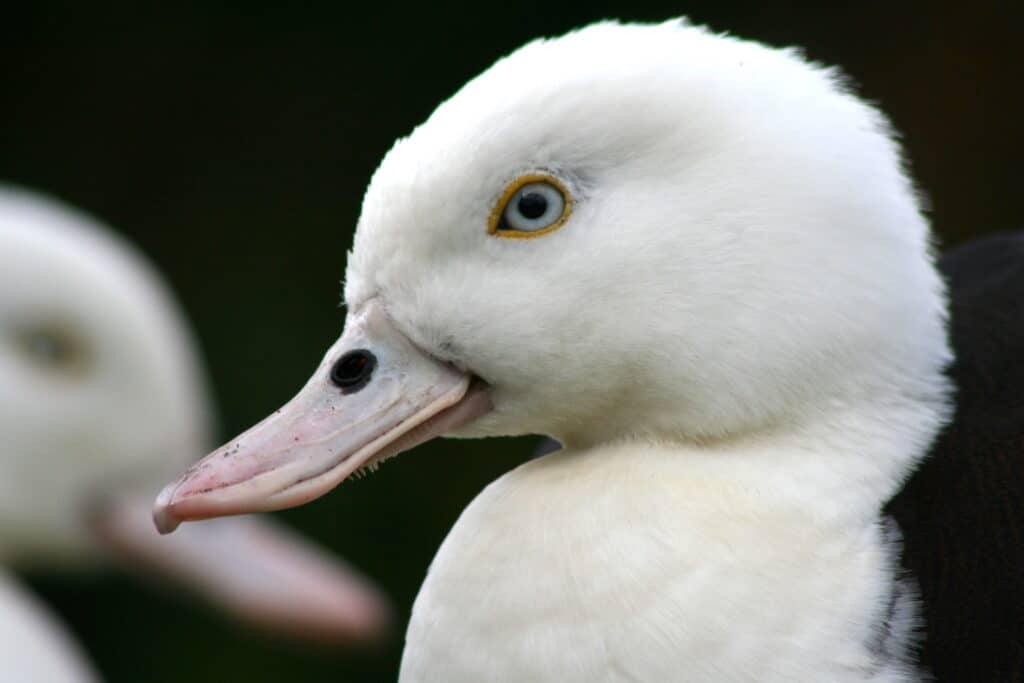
(165, 520)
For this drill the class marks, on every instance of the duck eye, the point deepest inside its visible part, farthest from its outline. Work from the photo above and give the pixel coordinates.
(531, 206)
(54, 348)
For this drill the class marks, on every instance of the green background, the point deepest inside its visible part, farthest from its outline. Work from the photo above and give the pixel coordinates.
(233, 141)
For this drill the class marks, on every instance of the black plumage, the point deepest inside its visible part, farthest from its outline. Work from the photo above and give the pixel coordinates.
(962, 511)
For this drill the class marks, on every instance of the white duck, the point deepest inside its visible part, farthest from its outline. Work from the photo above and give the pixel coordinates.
(699, 264)
(101, 397)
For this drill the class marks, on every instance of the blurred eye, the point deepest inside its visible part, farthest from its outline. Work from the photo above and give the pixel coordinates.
(531, 206)
(54, 348)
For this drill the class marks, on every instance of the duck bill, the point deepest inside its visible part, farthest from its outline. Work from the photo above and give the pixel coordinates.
(258, 572)
(340, 422)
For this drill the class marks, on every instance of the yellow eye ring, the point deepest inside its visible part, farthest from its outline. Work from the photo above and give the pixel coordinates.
(543, 192)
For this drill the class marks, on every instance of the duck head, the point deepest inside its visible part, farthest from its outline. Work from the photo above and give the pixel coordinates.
(101, 398)
(629, 232)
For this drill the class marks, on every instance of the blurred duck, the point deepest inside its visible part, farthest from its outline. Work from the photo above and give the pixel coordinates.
(35, 646)
(699, 264)
(101, 397)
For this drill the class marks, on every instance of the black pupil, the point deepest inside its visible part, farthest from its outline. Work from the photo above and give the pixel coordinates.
(352, 371)
(533, 205)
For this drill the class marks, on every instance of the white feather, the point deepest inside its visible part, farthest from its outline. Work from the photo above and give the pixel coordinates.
(34, 648)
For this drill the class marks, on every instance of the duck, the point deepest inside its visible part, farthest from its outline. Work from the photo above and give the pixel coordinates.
(700, 265)
(102, 397)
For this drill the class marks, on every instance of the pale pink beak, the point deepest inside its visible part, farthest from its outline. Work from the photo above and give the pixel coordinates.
(256, 571)
(341, 421)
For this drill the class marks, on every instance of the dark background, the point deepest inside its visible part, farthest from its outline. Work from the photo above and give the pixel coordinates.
(233, 141)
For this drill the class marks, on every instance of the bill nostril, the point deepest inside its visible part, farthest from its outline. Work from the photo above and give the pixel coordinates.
(353, 370)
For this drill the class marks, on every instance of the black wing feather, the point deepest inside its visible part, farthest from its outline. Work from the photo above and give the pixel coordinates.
(962, 512)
